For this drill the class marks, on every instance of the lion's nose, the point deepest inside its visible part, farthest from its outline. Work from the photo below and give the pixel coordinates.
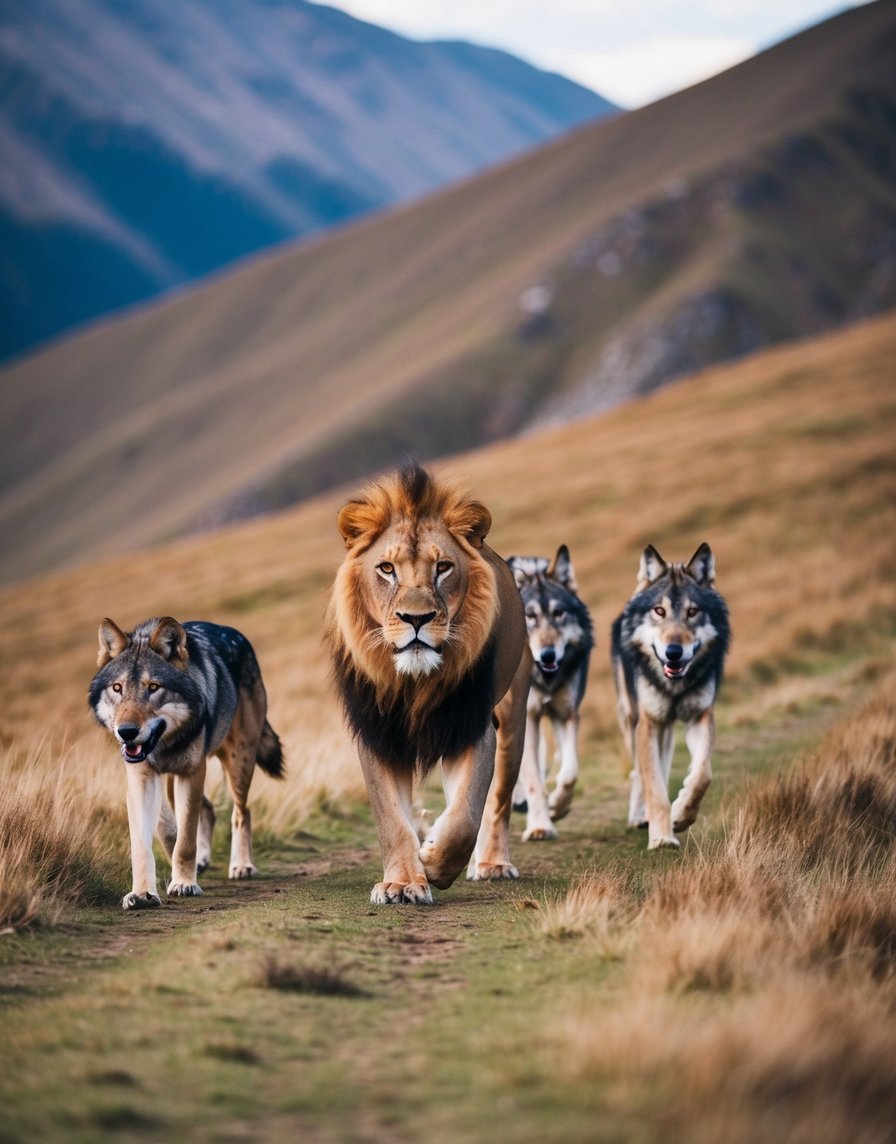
(416, 621)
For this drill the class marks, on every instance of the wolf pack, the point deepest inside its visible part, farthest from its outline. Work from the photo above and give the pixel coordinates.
(444, 654)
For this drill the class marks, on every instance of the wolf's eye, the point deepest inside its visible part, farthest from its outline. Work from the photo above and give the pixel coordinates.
(152, 687)
(116, 687)
(693, 612)
(658, 611)
(558, 613)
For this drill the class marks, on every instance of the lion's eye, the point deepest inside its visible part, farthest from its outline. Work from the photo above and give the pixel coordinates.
(658, 611)
(443, 568)
(386, 568)
(116, 687)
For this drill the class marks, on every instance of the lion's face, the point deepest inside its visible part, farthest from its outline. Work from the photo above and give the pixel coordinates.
(414, 592)
(414, 598)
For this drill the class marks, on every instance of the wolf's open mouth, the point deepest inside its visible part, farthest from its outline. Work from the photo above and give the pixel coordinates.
(138, 752)
(548, 668)
(676, 670)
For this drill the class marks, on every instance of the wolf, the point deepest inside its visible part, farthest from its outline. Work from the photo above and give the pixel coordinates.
(561, 637)
(668, 651)
(171, 695)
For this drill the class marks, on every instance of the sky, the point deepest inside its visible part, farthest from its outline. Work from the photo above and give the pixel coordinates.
(630, 52)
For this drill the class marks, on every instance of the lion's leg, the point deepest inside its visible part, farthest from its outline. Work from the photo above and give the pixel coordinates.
(404, 878)
(450, 841)
(492, 856)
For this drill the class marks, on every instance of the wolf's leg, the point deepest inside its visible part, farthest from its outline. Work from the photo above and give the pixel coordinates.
(390, 794)
(188, 796)
(538, 816)
(206, 834)
(491, 859)
(648, 735)
(144, 799)
(238, 767)
(449, 842)
(700, 737)
(567, 732)
(167, 825)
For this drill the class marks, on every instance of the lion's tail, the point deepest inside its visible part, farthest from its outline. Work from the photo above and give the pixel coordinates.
(270, 752)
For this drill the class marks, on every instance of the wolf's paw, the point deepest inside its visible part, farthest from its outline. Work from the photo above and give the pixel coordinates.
(664, 842)
(135, 901)
(539, 834)
(416, 893)
(560, 800)
(244, 870)
(183, 889)
(202, 865)
(491, 872)
(682, 817)
(638, 823)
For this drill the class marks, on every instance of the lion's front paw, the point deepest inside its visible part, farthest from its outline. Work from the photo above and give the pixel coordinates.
(539, 834)
(416, 893)
(243, 870)
(560, 800)
(491, 872)
(135, 901)
(183, 889)
(664, 842)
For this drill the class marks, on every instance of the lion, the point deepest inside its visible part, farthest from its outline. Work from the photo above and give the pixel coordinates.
(431, 662)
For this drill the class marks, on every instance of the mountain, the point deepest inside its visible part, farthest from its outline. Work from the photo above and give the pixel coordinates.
(145, 144)
(750, 209)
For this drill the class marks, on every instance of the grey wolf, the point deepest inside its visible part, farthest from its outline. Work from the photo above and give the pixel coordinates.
(430, 662)
(172, 695)
(668, 652)
(560, 638)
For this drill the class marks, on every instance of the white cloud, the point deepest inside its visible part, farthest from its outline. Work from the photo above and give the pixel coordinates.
(644, 71)
(631, 53)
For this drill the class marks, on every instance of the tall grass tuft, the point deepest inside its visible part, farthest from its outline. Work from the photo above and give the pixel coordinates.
(760, 986)
(63, 839)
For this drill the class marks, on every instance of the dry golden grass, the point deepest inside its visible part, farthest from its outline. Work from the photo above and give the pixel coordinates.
(785, 463)
(761, 985)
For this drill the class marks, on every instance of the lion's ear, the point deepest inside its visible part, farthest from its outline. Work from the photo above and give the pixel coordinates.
(357, 519)
(471, 520)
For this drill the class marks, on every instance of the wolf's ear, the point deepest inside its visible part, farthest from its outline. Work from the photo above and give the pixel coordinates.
(113, 641)
(471, 520)
(169, 640)
(562, 570)
(652, 566)
(702, 566)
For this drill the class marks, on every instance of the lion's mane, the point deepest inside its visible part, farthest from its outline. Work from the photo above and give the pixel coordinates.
(412, 721)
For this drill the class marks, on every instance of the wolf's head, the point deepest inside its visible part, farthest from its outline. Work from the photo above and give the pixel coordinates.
(680, 614)
(142, 692)
(556, 620)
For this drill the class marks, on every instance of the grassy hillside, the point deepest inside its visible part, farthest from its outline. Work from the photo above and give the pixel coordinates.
(692, 230)
(739, 989)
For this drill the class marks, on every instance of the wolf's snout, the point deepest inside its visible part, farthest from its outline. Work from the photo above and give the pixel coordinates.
(547, 659)
(416, 620)
(674, 652)
(127, 732)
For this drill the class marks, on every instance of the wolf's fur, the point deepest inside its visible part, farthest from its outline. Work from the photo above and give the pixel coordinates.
(560, 639)
(429, 654)
(668, 652)
(173, 694)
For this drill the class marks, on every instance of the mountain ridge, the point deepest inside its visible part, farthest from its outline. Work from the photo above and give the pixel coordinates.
(250, 122)
(405, 332)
